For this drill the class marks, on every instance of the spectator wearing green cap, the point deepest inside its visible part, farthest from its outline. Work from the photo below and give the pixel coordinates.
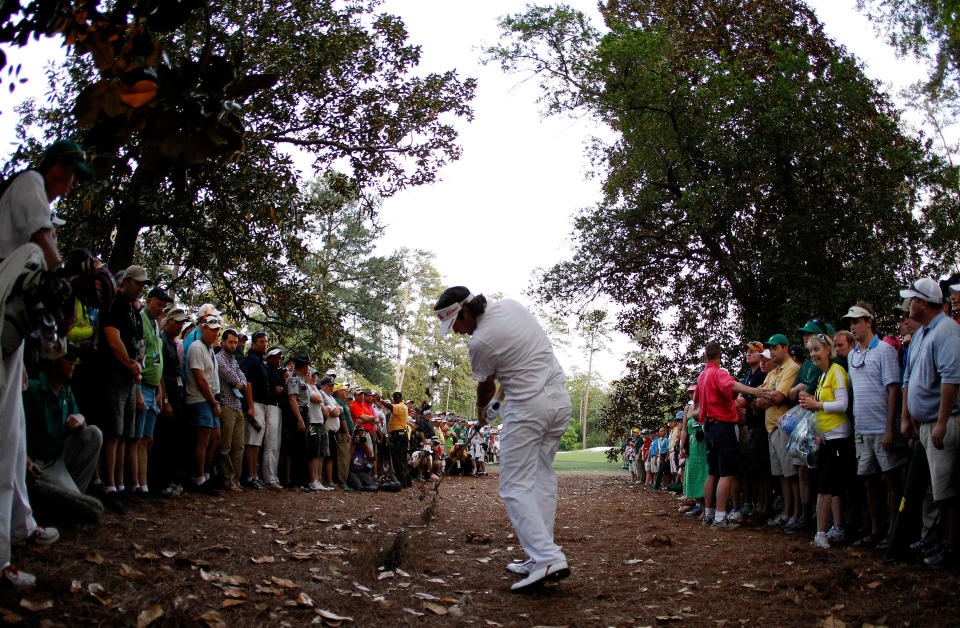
(25, 214)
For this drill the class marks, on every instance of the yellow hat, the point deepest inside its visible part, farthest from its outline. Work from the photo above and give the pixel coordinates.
(339, 387)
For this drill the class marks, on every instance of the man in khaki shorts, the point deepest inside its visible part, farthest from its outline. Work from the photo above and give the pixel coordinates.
(930, 385)
(775, 402)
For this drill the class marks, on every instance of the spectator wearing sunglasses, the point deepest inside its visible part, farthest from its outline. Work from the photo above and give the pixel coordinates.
(881, 452)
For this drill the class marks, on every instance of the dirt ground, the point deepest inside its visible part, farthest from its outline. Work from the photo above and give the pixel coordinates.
(280, 558)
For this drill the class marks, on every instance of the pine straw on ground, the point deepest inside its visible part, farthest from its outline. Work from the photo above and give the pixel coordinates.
(635, 561)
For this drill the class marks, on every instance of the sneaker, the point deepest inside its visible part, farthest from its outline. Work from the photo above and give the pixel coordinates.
(552, 571)
(696, 511)
(778, 521)
(706, 521)
(44, 536)
(726, 524)
(19, 579)
(793, 526)
(748, 510)
(321, 487)
(735, 516)
(924, 545)
(521, 569)
(835, 535)
(346, 489)
(821, 540)
(274, 486)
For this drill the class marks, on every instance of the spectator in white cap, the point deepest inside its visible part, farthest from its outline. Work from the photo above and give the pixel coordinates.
(955, 300)
(207, 309)
(931, 382)
(881, 452)
(203, 403)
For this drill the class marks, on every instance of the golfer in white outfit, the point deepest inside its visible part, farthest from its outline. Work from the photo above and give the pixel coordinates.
(507, 344)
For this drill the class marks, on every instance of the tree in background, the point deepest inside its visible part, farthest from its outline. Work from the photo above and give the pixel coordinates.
(594, 333)
(585, 391)
(926, 29)
(342, 85)
(744, 139)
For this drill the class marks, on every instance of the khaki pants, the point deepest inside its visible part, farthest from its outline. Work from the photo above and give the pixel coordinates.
(230, 456)
(343, 458)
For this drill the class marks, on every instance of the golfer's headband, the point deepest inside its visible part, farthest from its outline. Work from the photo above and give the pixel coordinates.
(448, 314)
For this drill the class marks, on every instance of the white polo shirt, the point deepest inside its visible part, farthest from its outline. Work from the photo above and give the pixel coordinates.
(510, 343)
(24, 210)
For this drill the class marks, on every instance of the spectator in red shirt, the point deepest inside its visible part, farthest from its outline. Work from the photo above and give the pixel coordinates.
(717, 412)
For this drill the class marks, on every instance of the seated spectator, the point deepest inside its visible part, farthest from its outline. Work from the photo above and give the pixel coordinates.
(458, 462)
(62, 449)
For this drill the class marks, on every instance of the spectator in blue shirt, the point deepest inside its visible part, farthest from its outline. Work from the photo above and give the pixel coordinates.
(930, 385)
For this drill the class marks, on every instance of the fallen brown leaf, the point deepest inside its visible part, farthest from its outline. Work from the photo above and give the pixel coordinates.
(213, 619)
(149, 615)
(168, 553)
(874, 585)
(304, 600)
(147, 556)
(436, 609)
(229, 603)
(283, 582)
(75, 585)
(96, 559)
(263, 559)
(234, 592)
(128, 572)
(35, 607)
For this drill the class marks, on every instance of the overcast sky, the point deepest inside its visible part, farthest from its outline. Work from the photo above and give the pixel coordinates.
(505, 208)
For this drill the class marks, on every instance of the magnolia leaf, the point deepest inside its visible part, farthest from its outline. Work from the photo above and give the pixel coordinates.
(149, 615)
(436, 609)
(228, 603)
(283, 582)
(96, 559)
(35, 607)
(263, 559)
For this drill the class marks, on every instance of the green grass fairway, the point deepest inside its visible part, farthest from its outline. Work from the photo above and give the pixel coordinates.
(590, 461)
(584, 462)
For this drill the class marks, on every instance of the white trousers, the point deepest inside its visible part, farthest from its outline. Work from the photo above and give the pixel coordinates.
(16, 517)
(528, 484)
(271, 444)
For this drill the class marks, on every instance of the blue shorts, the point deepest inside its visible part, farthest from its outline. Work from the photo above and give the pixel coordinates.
(147, 418)
(202, 414)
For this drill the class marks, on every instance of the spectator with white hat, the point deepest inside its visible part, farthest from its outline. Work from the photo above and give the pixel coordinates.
(931, 382)
(881, 452)
(203, 403)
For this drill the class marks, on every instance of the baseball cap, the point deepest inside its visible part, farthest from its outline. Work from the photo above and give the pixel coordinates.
(754, 345)
(815, 326)
(301, 358)
(924, 288)
(766, 354)
(212, 322)
(175, 314)
(207, 309)
(856, 311)
(778, 339)
(160, 293)
(337, 387)
(136, 273)
(274, 351)
(70, 152)
(903, 307)
(326, 381)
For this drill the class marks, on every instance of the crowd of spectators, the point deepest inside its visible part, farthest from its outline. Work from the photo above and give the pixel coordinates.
(118, 395)
(817, 438)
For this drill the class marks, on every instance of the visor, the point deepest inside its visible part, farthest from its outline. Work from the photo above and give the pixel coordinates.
(448, 315)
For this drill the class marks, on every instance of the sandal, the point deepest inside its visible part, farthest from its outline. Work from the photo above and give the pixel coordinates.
(868, 541)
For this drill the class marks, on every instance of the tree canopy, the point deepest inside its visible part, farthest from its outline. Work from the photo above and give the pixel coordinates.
(756, 177)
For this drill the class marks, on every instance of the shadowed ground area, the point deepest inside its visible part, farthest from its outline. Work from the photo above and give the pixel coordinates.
(275, 558)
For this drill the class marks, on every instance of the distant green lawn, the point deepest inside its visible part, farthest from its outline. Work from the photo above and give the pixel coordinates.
(586, 461)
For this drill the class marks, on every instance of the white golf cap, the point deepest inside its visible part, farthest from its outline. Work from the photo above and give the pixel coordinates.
(924, 288)
(955, 287)
(856, 311)
(766, 353)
